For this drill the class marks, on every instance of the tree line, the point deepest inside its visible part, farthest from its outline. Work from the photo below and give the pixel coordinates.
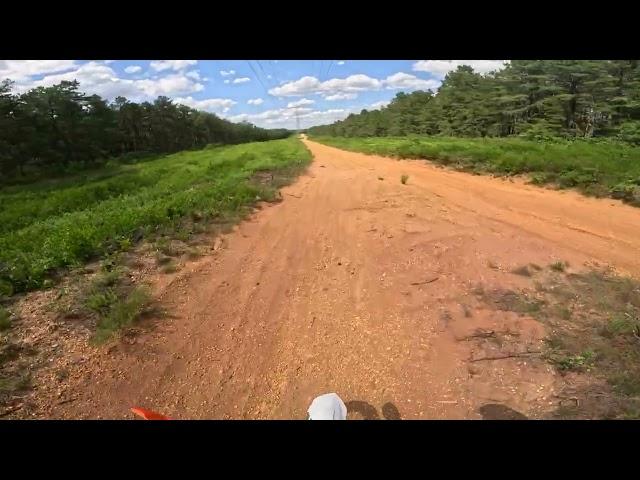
(531, 98)
(57, 127)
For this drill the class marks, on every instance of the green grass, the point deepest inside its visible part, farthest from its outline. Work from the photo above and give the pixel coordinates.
(53, 224)
(579, 362)
(593, 321)
(114, 302)
(193, 253)
(100, 302)
(5, 319)
(122, 312)
(13, 384)
(170, 267)
(621, 324)
(558, 266)
(594, 167)
(627, 383)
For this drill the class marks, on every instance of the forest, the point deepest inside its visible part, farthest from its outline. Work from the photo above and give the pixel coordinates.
(60, 129)
(535, 99)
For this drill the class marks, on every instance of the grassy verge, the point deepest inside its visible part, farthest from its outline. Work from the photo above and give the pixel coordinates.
(600, 168)
(5, 319)
(54, 224)
(115, 302)
(593, 321)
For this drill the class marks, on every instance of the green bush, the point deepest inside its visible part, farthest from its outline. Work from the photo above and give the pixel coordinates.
(630, 132)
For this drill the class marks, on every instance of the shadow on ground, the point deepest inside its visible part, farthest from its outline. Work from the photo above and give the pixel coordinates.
(496, 411)
(369, 412)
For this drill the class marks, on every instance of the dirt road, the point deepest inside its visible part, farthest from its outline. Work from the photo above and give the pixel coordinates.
(360, 285)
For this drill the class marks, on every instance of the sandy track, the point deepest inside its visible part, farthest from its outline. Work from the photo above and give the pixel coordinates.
(315, 294)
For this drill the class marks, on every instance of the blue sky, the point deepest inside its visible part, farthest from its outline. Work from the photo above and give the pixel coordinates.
(267, 93)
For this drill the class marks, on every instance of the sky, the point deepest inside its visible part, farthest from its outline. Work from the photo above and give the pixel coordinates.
(267, 93)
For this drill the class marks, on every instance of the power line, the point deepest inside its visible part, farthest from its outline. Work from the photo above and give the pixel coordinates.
(258, 77)
(313, 67)
(262, 69)
(329, 69)
(274, 69)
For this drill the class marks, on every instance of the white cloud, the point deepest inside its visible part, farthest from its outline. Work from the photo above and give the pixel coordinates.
(21, 70)
(300, 103)
(93, 77)
(353, 83)
(109, 61)
(227, 81)
(299, 87)
(269, 77)
(287, 117)
(133, 69)
(341, 62)
(279, 115)
(439, 68)
(160, 65)
(193, 74)
(378, 105)
(213, 105)
(176, 84)
(255, 101)
(101, 79)
(341, 96)
(348, 88)
(310, 85)
(407, 81)
(226, 73)
(241, 80)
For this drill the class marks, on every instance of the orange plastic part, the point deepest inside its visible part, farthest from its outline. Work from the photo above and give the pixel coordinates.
(148, 414)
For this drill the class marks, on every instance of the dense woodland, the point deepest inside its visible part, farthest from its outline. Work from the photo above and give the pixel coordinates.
(531, 98)
(57, 128)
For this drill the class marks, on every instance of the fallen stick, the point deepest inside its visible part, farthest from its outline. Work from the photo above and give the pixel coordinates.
(513, 355)
(292, 195)
(10, 410)
(431, 280)
(487, 334)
